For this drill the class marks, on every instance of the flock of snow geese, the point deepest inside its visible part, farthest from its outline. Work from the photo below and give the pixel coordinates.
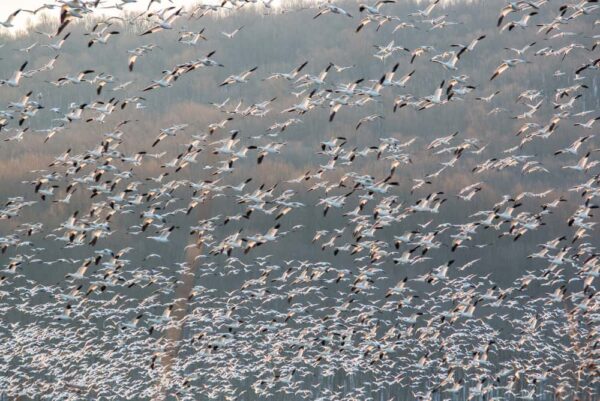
(391, 297)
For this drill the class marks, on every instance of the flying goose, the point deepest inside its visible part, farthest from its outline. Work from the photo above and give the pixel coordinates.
(163, 235)
(368, 118)
(166, 23)
(135, 53)
(16, 77)
(522, 50)
(231, 34)
(435, 99)
(241, 78)
(425, 13)
(58, 45)
(164, 82)
(522, 23)
(513, 6)
(80, 273)
(288, 75)
(449, 64)
(488, 99)
(510, 63)
(330, 8)
(8, 22)
(470, 47)
(195, 37)
(374, 10)
(588, 124)
(102, 39)
(79, 78)
(420, 51)
(583, 164)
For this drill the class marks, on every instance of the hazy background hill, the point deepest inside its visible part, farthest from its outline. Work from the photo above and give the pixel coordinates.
(278, 43)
